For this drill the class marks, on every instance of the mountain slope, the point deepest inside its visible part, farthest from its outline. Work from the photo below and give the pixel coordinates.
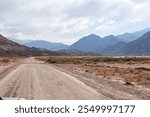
(46, 45)
(8, 47)
(111, 50)
(19, 41)
(140, 46)
(106, 42)
(60, 47)
(94, 43)
(78, 53)
(128, 37)
(87, 43)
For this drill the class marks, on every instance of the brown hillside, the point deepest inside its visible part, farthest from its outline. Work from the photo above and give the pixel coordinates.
(8, 47)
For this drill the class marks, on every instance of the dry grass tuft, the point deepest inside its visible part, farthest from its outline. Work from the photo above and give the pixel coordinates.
(6, 60)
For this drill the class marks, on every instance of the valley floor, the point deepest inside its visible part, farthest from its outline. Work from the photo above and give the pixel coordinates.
(74, 78)
(128, 78)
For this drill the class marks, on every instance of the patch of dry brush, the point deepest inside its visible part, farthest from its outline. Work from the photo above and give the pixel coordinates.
(7, 60)
(92, 65)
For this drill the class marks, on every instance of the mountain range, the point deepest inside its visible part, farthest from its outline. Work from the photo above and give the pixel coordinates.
(41, 44)
(46, 45)
(140, 46)
(87, 43)
(128, 37)
(19, 41)
(94, 43)
(136, 43)
(8, 47)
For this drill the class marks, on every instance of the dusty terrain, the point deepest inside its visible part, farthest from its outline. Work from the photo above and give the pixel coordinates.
(34, 79)
(75, 78)
(7, 64)
(116, 78)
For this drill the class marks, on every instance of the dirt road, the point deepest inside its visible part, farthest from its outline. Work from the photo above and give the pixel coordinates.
(34, 79)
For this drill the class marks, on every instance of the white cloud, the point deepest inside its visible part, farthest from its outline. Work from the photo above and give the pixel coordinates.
(110, 22)
(59, 20)
(136, 21)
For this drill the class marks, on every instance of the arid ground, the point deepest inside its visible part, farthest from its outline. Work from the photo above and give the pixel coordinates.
(114, 77)
(70, 77)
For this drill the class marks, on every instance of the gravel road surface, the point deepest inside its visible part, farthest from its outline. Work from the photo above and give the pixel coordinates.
(34, 79)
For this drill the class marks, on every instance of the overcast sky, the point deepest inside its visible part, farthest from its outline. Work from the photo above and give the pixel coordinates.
(68, 20)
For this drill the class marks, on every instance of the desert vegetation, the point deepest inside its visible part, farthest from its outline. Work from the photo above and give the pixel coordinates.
(131, 70)
(91, 59)
(11, 59)
(4, 60)
(9, 62)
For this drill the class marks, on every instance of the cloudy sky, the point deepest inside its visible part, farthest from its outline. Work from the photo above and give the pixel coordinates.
(68, 20)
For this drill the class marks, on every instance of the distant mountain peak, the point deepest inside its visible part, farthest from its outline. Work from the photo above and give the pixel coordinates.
(94, 43)
(87, 43)
(110, 36)
(93, 36)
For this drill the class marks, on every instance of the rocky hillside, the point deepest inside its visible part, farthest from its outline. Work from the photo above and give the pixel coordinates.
(8, 47)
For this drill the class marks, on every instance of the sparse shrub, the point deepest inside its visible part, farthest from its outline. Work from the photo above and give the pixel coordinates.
(148, 78)
(5, 60)
(51, 61)
(128, 78)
